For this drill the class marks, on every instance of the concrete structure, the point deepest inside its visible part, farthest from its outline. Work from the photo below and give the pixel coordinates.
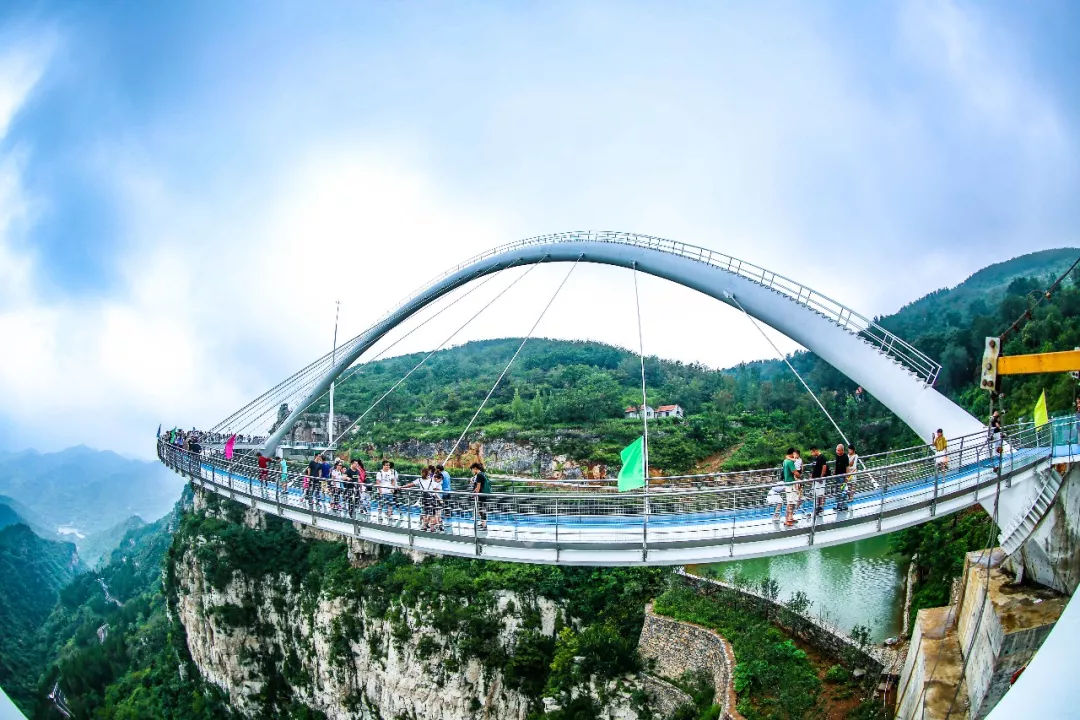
(994, 628)
(1051, 554)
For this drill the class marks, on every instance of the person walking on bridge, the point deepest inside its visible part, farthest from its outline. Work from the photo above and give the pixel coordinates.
(840, 471)
(1076, 425)
(791, 486)
(482, 489)
(311, 479)
(941, 448)
(386, 480)
(852, 469)
(444, 496)
(818, 471)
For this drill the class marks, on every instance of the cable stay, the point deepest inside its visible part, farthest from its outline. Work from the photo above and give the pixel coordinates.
(644, 394)
(300, 383)
(517, 352)
(791, 367)
(440, 346)
(382, 353)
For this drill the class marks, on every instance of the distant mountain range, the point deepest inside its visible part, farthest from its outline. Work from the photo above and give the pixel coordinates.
(85, 491)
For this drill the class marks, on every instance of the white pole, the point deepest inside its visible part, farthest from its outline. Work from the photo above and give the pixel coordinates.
(333, 362)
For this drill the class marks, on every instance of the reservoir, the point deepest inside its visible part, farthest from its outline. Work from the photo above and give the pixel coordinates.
(858, 583)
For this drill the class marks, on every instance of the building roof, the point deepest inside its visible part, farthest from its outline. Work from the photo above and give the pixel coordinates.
(665, 408)
(634, 408)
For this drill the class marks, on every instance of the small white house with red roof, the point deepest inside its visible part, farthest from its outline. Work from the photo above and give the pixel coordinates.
(674, 411)
(635, 412)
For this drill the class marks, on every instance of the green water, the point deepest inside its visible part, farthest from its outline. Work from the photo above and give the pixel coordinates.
(859, 583)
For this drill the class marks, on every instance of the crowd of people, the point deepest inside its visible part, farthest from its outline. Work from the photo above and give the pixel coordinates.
(792, 489)
(346, 486)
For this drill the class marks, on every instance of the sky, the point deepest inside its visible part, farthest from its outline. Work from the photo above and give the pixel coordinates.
(187, 188)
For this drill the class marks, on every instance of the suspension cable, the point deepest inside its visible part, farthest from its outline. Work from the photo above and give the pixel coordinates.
(437, 349)
(517, 352)
(644, 397)
(356, 368)
(292, 387)
(790, 367)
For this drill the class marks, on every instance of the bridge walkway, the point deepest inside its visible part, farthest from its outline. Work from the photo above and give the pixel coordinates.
(668, 525)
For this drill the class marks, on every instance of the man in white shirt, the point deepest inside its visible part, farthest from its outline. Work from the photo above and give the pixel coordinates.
(386, 482)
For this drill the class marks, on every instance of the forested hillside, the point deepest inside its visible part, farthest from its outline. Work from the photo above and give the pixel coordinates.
(568, 397)
(88, 490)
(32, 573)
(112, 642)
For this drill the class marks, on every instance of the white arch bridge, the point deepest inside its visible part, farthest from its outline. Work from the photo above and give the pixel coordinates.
(679, 520)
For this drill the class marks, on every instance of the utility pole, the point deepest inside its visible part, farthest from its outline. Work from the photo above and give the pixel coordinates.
(333, 362)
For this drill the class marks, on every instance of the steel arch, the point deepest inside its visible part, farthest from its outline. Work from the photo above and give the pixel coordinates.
(893, 371)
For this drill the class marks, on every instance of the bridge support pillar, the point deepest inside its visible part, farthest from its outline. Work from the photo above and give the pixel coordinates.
(1051, 555)
(962, 658)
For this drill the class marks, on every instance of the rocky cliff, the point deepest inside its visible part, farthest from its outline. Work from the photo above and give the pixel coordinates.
(276, 639)
(503, 456)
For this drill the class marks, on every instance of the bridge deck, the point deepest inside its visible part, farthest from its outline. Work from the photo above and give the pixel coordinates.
(666, 526)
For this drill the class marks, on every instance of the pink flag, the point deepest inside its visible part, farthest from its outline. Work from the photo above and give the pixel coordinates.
(229, 446)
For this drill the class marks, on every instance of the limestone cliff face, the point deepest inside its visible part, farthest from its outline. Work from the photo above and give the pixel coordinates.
(376, 678)
(499, 455)
(272, 644)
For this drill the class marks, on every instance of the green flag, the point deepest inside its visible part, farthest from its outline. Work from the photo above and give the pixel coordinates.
(632, 474)
(1039, 413)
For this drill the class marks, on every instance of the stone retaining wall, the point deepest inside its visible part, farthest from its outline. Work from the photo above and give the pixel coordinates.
(677, 647)
(664, 697)
(830, 640)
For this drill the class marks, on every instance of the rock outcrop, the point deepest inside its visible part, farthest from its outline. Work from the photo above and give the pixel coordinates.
(499, 455)
(273, 644)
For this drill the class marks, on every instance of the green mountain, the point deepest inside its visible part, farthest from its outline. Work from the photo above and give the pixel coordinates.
(96, 548)
(8, 516)
(113, 646)
(87, 490)
(32, 573)
(11, 508)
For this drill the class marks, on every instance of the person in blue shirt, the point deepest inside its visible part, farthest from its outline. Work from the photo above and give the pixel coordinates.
(444, 496)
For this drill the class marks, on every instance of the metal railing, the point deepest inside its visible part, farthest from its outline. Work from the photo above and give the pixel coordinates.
(532, 511)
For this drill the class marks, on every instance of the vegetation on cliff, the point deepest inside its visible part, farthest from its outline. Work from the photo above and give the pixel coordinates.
(600, 617)
(32, 573)
(124, 658)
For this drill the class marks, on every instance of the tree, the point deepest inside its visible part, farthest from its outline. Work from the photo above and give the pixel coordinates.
(518, 409)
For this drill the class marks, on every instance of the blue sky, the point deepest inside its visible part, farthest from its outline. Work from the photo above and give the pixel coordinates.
(186, 188)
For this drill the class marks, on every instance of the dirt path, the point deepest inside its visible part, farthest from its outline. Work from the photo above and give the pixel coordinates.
(715, 462)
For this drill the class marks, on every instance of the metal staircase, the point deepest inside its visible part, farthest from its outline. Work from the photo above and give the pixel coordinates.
(1020, 529)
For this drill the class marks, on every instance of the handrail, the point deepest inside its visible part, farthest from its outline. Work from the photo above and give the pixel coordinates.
(665, 513)
(873, 462)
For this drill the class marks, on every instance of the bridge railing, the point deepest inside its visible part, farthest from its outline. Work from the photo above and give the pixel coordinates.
(893, 346)
(663, 514)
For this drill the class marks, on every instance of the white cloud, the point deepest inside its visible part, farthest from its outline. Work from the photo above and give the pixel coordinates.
(758, 136)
